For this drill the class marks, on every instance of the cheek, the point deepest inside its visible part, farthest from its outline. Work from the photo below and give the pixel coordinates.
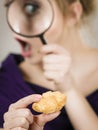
(55, 32)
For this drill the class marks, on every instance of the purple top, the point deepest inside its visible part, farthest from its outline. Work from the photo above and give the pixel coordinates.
(13, 87)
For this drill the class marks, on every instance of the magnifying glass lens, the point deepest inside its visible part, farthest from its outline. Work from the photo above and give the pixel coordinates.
(30, 17)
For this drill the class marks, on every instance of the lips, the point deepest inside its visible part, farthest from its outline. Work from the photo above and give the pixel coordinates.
(26, 48)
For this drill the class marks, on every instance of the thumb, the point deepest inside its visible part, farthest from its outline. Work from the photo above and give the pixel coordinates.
(42, 119)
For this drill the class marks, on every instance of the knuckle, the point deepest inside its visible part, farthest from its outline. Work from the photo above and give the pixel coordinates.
(23, 121)
(5, 115)
(27, 112)
(11, 107)
(4, 125)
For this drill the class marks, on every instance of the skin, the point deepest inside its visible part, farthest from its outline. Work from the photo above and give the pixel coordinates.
(24, 119)
(62, 64)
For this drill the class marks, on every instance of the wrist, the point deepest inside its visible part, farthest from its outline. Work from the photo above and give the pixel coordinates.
(68, 83)
(72, 91)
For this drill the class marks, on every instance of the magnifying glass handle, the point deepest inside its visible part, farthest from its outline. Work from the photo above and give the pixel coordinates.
(43, 39)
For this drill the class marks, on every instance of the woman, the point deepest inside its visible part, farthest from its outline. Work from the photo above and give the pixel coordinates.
(66, 64)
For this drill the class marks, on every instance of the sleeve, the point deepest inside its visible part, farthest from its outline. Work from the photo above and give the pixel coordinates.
(4, 96)
(4, 104)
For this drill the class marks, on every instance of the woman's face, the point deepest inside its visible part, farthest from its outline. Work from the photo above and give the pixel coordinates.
(55, 34)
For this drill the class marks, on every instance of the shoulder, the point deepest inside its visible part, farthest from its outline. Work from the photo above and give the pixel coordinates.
(9, 75)
(6, 70)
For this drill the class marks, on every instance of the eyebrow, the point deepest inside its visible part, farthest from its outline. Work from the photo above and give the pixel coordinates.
(8, 2)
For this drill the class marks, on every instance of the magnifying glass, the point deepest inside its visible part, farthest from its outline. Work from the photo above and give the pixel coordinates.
(30, 18)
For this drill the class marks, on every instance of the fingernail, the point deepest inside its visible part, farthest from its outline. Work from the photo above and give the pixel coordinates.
(38, 96)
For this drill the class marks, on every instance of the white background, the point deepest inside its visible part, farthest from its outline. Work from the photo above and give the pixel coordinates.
(8, 44)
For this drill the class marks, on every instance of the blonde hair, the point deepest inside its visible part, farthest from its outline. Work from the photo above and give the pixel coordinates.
(88, 5)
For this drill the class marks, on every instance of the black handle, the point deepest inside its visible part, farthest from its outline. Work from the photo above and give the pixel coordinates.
(43, 39)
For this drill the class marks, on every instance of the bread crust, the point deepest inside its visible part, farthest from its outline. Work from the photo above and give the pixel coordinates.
(50, 102)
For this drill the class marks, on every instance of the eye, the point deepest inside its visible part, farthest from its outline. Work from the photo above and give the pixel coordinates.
(31, 9)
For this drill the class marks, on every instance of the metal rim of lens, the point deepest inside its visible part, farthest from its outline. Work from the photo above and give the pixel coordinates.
(30, 36)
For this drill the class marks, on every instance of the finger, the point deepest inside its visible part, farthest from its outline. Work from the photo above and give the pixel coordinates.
(55, 67)
(56, 76)
(19, 113)
(54, 58)
(44, 118)
(51, 116)
(18, 128)
(16, 122)
(53, 48)
(24, 102)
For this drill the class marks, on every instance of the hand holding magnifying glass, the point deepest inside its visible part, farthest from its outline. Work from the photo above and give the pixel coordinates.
(32, 18)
